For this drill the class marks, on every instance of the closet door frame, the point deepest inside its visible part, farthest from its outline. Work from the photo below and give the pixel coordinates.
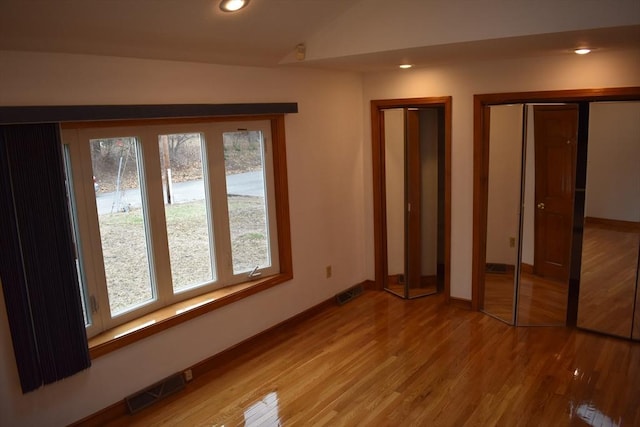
(379, 196)
(481, 106)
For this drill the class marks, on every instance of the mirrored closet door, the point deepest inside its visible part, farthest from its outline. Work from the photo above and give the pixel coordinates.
(611, 236)
(562, 237)
(414, 202)
(531, 185)
(506, 139)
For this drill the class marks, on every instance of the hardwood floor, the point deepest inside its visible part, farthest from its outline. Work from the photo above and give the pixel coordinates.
(383, 361)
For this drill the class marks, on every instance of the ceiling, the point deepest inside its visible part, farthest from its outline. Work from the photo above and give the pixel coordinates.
(604, 39)
(184, 30)
(267, 32)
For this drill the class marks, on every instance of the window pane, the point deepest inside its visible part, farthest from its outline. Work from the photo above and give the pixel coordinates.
(73, 213)
(244, 168)
(186, 210)
(122, 223)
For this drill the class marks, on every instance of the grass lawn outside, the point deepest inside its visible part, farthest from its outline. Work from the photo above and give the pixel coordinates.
(125, 247)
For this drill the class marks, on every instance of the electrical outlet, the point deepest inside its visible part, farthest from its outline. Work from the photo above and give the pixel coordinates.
(188, 375)
(512, 242)
(328, 271)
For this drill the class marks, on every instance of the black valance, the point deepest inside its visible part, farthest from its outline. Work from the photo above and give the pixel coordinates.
(73, 113)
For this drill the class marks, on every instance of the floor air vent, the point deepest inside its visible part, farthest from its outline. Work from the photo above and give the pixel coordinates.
(155, 392)
(349, 294)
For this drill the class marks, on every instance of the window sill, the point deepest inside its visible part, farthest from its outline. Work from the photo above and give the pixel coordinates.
(178, 313)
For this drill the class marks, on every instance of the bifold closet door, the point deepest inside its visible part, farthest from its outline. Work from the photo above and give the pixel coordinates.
(608, 300)
(412, 150)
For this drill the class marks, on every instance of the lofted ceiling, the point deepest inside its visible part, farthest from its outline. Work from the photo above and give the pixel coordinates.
(358, 35)
(183, 30)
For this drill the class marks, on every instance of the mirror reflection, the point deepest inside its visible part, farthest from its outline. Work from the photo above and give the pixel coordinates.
(531, 185)
(548, 204)
(503, 210)
(533, 238)
(413, 152)
(636, 317)
(611, 239)
(394, 184)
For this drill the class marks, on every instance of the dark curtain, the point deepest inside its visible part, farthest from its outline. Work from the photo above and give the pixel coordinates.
(37, 257)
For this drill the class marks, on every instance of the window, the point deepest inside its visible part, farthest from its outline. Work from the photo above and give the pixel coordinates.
(163, 212)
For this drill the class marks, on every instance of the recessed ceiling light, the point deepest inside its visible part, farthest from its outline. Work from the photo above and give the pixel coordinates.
(582, 51)
(233, 5)
(405, 66)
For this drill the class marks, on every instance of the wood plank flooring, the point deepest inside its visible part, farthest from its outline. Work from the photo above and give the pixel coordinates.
(383, 361)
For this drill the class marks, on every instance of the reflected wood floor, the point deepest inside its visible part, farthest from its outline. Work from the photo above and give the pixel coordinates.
(428, 285)
(383, 361)
(422, 291)
(541, 301)
(608, 279)
(607, 286)
(498, 295)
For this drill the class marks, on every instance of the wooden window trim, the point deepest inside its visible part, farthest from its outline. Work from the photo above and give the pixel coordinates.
(175, 314)
(183, 311)
(68, 116)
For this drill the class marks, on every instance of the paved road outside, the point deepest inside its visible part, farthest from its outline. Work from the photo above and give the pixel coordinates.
(241, 184)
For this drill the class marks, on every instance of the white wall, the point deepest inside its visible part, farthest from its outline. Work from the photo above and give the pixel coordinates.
(505, 158)
(462, 81)
(394, 187)
(326, 187)
(613, 161)
(330, 191)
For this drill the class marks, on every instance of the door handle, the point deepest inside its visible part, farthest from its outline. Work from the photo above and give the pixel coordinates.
(541, 206)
